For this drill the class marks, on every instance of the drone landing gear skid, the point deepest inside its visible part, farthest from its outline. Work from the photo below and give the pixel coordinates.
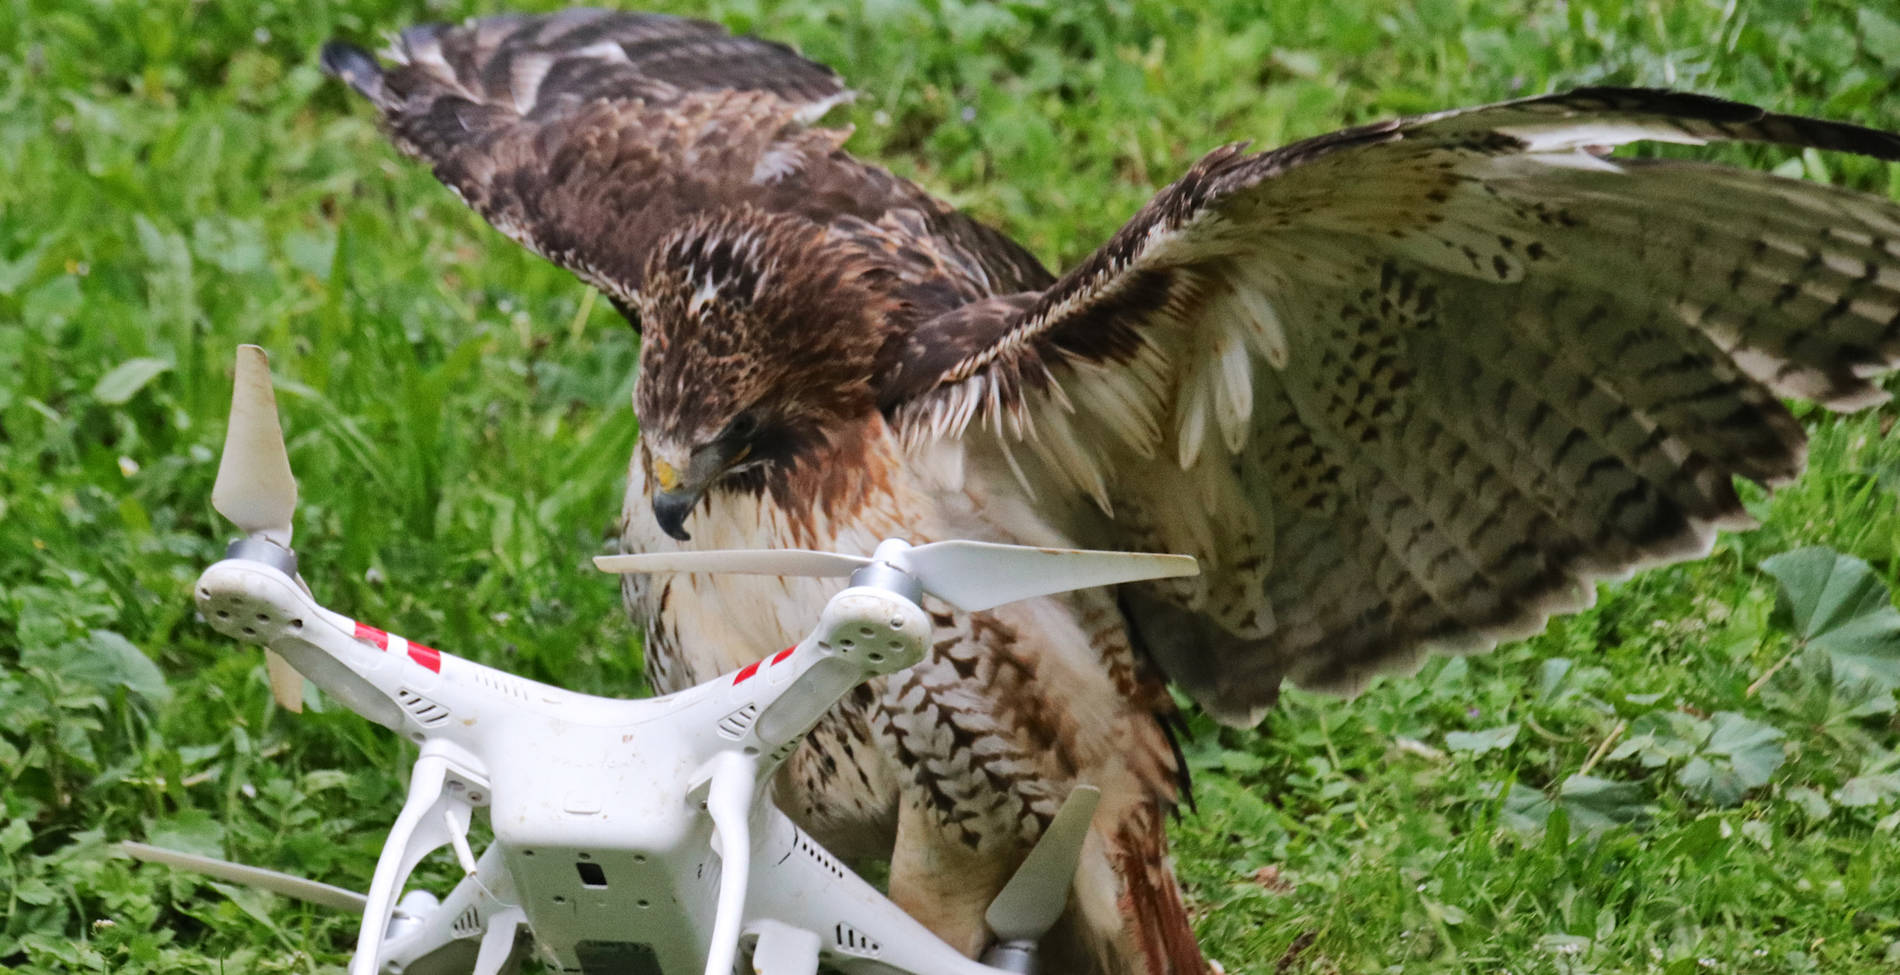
(443, 789)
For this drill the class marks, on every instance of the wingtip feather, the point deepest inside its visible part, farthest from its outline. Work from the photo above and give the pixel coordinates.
(353, 66)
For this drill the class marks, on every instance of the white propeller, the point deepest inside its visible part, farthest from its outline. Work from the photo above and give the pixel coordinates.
(320, 894)
(971, 576)
(739, 561)
(255, 489)
(1028, 906)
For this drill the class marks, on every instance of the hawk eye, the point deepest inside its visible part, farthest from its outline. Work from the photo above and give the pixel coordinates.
(742, 426)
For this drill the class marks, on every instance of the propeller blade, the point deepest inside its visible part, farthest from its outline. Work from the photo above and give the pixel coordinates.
(255, 489)
(286, 684)
(1028, 906)
(975, 576)
(760, 561)
(971, 576)
(320, 894)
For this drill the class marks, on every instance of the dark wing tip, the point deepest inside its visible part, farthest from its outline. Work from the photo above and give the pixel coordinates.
(1738, 120)
(1661, 101)
(355, 66)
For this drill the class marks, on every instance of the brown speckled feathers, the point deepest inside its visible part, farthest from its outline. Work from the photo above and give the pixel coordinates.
(1436, 375)
(588, 135)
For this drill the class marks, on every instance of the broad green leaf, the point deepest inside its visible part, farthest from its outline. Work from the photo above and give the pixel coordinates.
(255, 903)
(1866, 648)
(1552, 678)
(33, 890)
(192, 831)
(1723, 757)
(1868, 790)
(103, 660)
(1741, 755)
(1753, 747)
(16, 834)
(1589, 804)
(1811, 802)
(312, 252)
(319, 780)
(1479, 742)
(1836, 603)
(1525, 809)
(1821, 589)
(1595, 803)
(122, 664)
(1660, 737)
(126, 379)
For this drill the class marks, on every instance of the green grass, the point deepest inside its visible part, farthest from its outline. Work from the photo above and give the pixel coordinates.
(175, 178)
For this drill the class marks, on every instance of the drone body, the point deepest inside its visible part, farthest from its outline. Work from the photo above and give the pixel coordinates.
(614, 820)
(629, 835)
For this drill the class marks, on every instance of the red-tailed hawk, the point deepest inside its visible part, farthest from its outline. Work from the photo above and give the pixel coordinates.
(1408, 386)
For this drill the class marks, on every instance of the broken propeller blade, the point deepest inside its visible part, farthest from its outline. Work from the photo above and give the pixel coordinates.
(311, 891)
(286, 684)
(1028, 906)
(255, 489)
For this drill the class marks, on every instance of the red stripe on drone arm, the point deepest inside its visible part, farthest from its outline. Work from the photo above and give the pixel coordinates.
(779, 657)
(428, 657)
(745, 673)
(370, 634)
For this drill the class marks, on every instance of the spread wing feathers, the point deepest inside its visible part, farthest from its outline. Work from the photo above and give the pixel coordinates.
(1420, 383)
(540, 66)
(589, 135)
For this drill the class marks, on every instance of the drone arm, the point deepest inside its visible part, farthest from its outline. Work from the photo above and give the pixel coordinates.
(437, 809)
(824, 680)
(864, 632)
(258, 603)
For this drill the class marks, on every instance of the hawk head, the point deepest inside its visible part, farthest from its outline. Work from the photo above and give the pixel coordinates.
(759, 335)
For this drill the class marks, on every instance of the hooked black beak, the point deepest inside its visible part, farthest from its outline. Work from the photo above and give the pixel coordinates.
(670, 509)
(680, 491)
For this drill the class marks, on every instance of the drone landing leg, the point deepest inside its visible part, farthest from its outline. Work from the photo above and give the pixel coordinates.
(498, 942)
(430, 819)
(729, 794)
(784, 950)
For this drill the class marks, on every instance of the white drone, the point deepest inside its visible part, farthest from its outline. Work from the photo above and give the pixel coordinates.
(630, 836)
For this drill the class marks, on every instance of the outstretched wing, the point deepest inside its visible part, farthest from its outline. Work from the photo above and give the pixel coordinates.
(1417, 384)
(588, 135)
